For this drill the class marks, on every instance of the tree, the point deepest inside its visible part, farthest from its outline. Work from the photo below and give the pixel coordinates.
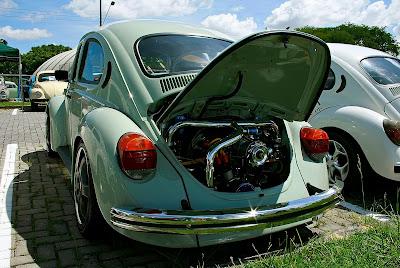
(362, 35)
(38, 55)
(33, 59)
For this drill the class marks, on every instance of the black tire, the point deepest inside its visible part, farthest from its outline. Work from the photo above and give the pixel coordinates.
(34, 106)
(50, 152)
(89, 219)
(353, 179)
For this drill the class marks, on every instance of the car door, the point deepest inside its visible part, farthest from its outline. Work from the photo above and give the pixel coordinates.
(70, 89)
(82, 90)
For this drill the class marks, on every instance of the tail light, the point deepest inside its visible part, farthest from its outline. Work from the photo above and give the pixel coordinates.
(137, 155)
(392, 129)
(315, 142)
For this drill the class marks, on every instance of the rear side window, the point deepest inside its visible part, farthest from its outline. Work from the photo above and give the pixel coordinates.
(383, 70)
(330, 80)
(92, 64)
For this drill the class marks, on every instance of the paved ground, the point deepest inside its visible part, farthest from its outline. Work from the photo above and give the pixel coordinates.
(44, 232)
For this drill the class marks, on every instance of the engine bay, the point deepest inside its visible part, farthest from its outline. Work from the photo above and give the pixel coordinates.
(232, 156)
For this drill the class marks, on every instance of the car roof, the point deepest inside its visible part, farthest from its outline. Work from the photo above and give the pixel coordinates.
(140, 28)
(10, 83)
(354, 54)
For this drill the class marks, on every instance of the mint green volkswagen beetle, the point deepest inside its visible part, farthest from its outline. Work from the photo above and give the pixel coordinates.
(177, 136)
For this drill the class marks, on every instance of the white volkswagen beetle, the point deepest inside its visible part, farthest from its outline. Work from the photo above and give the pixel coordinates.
(45, 87)
(360, 110)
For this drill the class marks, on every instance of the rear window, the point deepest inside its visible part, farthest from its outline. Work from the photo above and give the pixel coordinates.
(383, 70)
(174, 54)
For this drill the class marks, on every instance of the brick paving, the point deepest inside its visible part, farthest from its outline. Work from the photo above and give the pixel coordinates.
(45, 234)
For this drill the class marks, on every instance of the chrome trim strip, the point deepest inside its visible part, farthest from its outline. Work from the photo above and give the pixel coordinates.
(229, 220)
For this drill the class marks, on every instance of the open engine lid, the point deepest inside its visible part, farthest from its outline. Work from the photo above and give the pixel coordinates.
(278, 73)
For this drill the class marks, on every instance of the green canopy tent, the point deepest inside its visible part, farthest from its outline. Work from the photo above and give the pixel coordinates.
(8, 53)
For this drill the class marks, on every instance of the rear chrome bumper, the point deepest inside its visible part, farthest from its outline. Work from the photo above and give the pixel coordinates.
(222, 221)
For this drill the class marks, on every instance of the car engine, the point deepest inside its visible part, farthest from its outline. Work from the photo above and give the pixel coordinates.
(232, 156)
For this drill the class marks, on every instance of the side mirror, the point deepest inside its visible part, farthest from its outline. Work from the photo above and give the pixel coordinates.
(61, 75)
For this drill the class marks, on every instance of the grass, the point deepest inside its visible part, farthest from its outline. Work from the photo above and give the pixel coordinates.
(377, 246)
(13, 104)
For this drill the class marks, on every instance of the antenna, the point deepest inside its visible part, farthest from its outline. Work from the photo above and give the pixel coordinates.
(101, 20)
(111, 4)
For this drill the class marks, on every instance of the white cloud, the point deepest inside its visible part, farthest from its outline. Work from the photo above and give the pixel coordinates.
(297, 13)
(7, 4)
(34, 16)
(237, 9)
(8, 32)
(230, 24)
(396, 31)
(130, 9)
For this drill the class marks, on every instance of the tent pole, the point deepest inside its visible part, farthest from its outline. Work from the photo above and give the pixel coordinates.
(21, 91)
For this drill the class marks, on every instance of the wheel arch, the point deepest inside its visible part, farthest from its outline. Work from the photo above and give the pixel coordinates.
(361, 125)
(100, 131)
(353, 141)
(343, 133)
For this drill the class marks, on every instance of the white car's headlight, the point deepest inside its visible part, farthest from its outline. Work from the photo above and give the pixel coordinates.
(37, 94)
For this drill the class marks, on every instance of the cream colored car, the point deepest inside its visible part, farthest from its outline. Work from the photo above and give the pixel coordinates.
(46, 86)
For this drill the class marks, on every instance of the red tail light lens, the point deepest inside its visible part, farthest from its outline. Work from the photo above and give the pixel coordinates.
(315, 142)
(137, 155)
(392, 129)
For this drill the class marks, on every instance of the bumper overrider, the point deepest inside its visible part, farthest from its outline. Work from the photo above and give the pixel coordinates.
(222, 221)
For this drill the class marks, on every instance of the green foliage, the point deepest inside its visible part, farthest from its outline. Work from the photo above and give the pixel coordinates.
(8, 67)
(378, 246)
(38, 55)
(33, 59)
(362, 35)
(13, 104)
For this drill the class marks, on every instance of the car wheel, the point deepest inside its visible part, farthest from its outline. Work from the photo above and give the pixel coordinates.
(50, 152)
(342, 161)
(34, 106)
(89, 218)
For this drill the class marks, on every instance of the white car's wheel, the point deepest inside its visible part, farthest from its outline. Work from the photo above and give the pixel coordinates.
(342, 161)
(338, 163)
(87, 211)
(34, 106)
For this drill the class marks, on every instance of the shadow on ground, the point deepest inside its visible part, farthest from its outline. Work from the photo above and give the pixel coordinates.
(375, 193)
(29, 109)
(46, 232)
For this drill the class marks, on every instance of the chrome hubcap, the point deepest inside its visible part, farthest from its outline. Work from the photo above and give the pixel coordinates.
(338, 163)
(81, 186)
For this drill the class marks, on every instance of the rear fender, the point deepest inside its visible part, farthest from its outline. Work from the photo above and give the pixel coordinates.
(364, 125)
(314, 173)
(100, 131)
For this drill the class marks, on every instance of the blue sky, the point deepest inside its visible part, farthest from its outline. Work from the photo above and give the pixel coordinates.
(25, 23)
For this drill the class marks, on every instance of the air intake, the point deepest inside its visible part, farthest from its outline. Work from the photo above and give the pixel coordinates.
(170, 83)
(395, 90)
